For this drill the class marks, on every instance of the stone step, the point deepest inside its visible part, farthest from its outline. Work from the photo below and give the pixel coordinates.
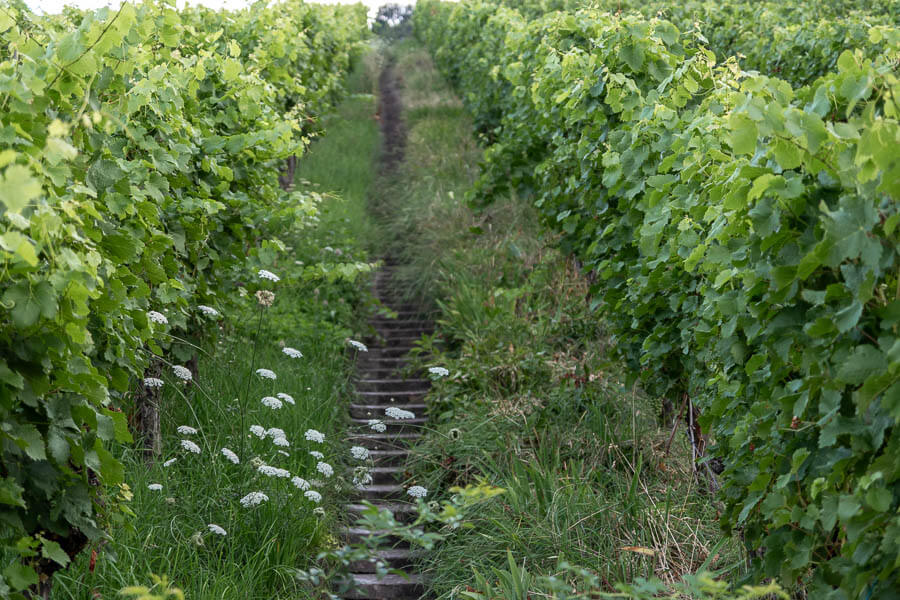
(367, 586)
(383, 441)
(380, 491)
(402, 316)
(388, 457)
(380, 362)
(389, 398)
(391, 338)
(388, 475)
(357, 535)
(391, 351)
(388, 385)
(397, 558)
(393, 425)
(403, 512)
(391, 373)
(402, 325)
(376, 411)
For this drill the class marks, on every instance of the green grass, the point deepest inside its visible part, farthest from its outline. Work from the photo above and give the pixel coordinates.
(532, 404)
(320, 302)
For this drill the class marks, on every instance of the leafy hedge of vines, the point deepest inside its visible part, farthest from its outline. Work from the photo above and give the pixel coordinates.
(745, 235)
(140, 150)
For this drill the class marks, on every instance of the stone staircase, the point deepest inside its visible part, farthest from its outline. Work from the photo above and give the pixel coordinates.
(381, 384)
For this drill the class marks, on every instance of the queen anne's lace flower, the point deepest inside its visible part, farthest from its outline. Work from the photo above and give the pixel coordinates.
(417, 491)
(398, 413)
(292, 352)
(170, 462)
(265, 297)
(272, 402)
(314, 436)
(209, 311)
(213, 528)
(438, 371)
(186, 430)
(377, 425)
(266, 374)
(286, 397)
(275, 432)
(281, 441)
(157, 317)
(359, 452)
(154, 487)
(263, 274)
(182, 373)
(300, 483)
(361, 476)
(227, 453)
(358, 345)
(316, 454)
(273, 471)
(153, 382)
(253, 499)
(190, 446)
(258, 431)
(325, 469)
(313, 495)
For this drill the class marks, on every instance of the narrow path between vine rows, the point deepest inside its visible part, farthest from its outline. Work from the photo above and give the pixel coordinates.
(381, 384)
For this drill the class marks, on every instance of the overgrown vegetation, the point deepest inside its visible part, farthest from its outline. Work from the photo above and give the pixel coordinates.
(742, 236)
(532, 403)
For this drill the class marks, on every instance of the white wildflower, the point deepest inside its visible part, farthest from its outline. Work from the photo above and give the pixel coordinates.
(190, 446)
(213, 528)
(227, 453)
(266, 374)
(361, 476)
(153, 382)
(272, 402)
(209, 311)
(265, 297)
(359, 452)
(314, 436)
(417, 491)
(325, 469)
(263, 274)
(273, 471)
(186, 430)
(313, 495)
(292, 352)
(300, 483)
(438, 371)
(320, 511)
(253, 499)
(258, 431)
(316, 454)
(283, 453)
(377, 425)
(286, 397)
(358, 345)
(275, 432)
(398, 413)
(170, 462)
(157, 317)
(154, 487)
(281, 441)
(182, 373)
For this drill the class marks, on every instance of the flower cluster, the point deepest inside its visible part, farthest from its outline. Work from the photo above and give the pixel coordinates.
(266, 374)
(263, 274)
(359, 452)
(325, 469)
(313, 495)
(154, 487)
(186, 430)
(213, 528)
(273, 471)
(190, 446)
(258, 431)
(316, 454)
(314, 436)
(272, 402)
(286, 397)
(417, 491)
(182, 373)
(209, 311)
(265, 298)
(153, 382)
(253, 499)
(157, 317)
(377, 425)
(399, 413)
(358, 345)
(227, 453)
(438, 371)
(292, 352)
(300, 483)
